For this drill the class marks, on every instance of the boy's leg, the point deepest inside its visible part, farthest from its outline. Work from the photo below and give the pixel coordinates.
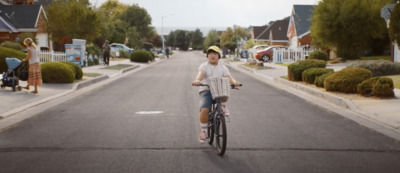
(224, 107)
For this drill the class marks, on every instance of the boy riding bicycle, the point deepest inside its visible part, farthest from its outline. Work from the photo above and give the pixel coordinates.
(210, 69)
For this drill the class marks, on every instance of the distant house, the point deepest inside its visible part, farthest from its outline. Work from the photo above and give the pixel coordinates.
(256, 32)
(276, 33)
(18, 19)
(21, 2)
(299, 26)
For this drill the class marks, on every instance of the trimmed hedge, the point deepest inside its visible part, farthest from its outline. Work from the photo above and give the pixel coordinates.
(140, 56)
(379, 67)
(346, 80)
(11, 45)
(318, 55)
(319, 81)
(56, 72)
(376, 86)
(310, 74)
(77, 69)
(9, 53)
(296, 69)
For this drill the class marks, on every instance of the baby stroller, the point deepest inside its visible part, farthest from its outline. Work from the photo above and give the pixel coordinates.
(17, 70)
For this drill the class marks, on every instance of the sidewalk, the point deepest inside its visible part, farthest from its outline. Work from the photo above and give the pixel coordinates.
(13, 102)
(384, 112)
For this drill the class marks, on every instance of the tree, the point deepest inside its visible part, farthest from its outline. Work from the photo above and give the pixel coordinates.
(138, 17)
(108, 13)
(197, 40)
(226, 37)
(67, 19)
(170, 40)
(394, 26)
(230, 37)
(157, 41)
(182, 39)
(347, 25)
(211, 39)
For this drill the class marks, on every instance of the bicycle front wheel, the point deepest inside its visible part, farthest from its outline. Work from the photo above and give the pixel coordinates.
(210, 132)
(221, 135)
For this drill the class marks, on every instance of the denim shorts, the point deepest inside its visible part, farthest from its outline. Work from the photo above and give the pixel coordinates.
(205, 99)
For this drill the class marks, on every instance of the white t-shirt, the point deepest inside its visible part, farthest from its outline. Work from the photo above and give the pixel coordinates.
(211, 71)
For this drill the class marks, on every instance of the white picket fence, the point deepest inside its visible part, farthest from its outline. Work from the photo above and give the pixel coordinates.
(54, 56)
(51, 56)
(284, 55)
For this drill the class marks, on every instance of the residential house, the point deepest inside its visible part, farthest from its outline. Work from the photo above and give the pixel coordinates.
(276, 33)
(18, 19)
(299, 26)
(255, 33)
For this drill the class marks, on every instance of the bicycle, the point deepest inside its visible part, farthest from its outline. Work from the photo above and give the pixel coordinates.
(217, 123)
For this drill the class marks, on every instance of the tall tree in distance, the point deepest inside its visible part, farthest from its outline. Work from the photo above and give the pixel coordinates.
(348, 25)
(211, 39)
(197, 40)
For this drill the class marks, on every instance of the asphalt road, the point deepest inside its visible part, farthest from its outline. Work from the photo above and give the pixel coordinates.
(148, 122)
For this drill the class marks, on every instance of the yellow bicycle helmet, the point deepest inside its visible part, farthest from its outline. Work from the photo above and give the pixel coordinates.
(214, 49)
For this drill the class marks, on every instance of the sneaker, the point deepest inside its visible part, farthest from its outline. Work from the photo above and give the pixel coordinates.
(224, 110)
(203, 136)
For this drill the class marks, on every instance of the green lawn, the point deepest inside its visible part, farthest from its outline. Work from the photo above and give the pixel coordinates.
(117, 67)
(91, 74)
(256, 67)
(396, 81)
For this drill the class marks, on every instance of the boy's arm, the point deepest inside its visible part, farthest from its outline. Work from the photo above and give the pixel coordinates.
(199, 77)
(232, 80)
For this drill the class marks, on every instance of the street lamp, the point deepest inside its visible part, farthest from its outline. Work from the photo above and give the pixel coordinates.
(162, 31)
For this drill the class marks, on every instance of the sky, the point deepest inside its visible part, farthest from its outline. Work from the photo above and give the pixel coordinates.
(213, 14)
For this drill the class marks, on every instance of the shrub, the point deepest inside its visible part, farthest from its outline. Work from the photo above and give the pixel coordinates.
(319, 81)
(310, 74)
(11, 45)
(377, 86)
(77, 69)
(318, 55)
(8, 53)
(123, 54)
(379, 67)
(365, 87)
(140, 56)
(383, 87)
(55, 72)
(296, 69)
(152, 55)
(346, 80)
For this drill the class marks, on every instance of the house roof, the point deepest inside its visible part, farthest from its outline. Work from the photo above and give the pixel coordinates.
(278, 29)
(301, 16)
(258, 30)
(20, 17)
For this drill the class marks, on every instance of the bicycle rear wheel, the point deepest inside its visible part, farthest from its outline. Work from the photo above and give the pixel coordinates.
(221, 135)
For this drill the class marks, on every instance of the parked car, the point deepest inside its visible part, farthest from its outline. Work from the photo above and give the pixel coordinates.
(252, 51)
(117, 47)
(266, 54)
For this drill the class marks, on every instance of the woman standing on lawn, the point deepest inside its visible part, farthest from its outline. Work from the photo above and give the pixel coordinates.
(35, 75)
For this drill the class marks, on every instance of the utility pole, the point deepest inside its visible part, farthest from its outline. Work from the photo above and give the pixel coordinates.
(162, 32)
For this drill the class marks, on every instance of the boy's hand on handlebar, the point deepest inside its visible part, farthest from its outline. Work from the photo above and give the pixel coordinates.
(237, 84)
(196, 83)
